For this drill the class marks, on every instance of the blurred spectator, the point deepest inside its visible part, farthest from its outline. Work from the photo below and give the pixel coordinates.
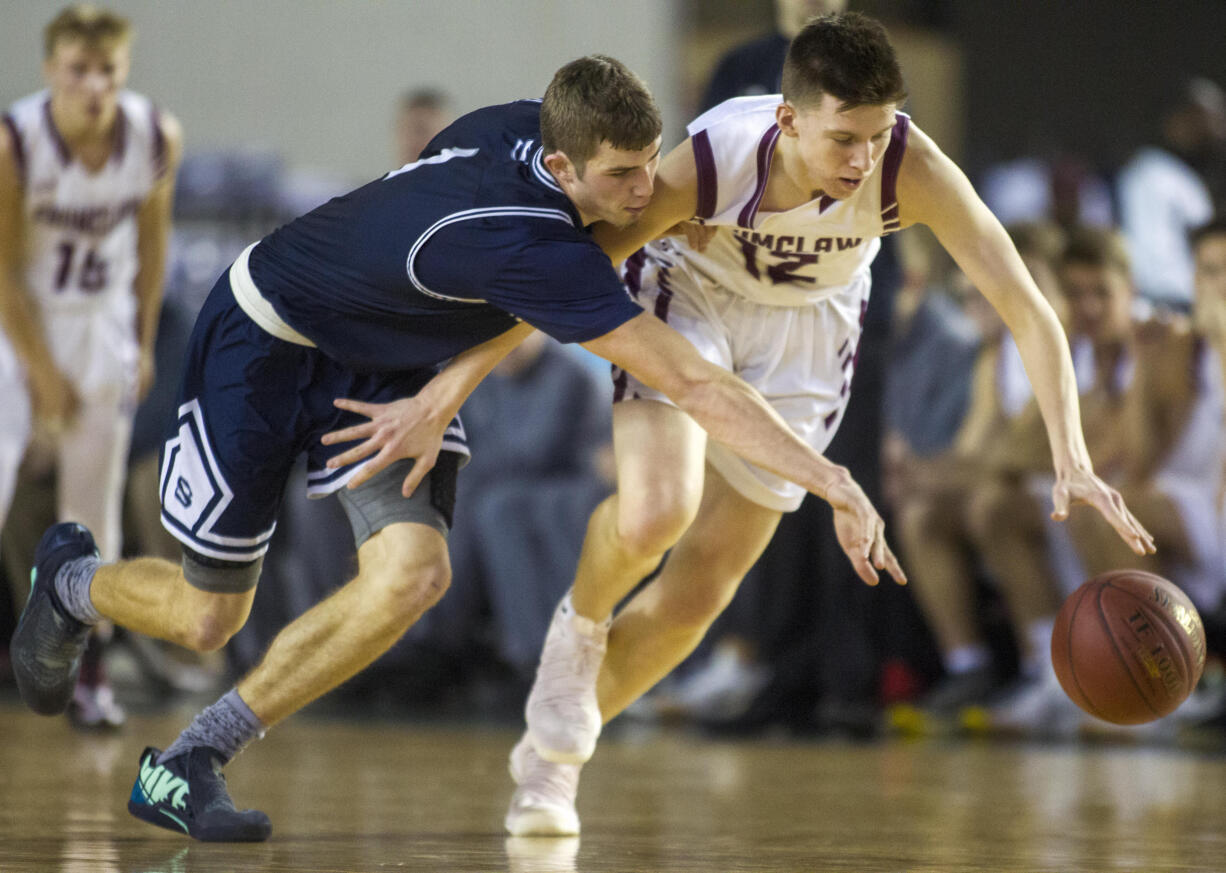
(1063, 189)
(754, 67)
(1152, 431)
(422, 113)
(1153, 423)
(87, 172)
(954, 400)
(1163, 194)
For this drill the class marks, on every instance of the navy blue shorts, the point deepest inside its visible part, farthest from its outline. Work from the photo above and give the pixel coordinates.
(249, 404)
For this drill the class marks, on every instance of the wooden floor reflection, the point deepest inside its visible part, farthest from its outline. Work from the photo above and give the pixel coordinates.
(353, 798)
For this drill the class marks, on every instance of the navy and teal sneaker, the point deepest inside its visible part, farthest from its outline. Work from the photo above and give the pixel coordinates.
(187, 793)
(48, 643)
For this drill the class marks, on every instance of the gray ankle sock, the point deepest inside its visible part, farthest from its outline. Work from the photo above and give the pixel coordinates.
(227, 727)
(72, 587)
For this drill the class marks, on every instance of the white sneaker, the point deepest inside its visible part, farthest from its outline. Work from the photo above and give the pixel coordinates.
(562, 712)
(543, 804)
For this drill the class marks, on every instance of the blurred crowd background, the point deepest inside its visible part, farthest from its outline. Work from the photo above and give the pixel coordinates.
(1096, 131)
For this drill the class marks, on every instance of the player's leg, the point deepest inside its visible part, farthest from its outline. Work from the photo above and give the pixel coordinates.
(664, 622)
(653, 633)
(402, 571)
(15, 426)
(91, 466)
(659, 454)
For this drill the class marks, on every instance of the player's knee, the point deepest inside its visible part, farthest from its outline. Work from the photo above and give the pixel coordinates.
(652, 528)
(411, 586)
(211, 628)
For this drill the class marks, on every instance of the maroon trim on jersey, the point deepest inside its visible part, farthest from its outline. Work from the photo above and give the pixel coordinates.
(890, 165)
(159, 145)
(825, 203)
(19, 148)
(665, 297)
(620, 380)
(119, 141)
(708, 181)
(632, 277)
(61, 147)
(766, 152)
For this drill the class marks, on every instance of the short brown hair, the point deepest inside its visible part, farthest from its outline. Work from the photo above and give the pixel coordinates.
(846, 55)
(93, 25)
(1097, 247)
(593, 100)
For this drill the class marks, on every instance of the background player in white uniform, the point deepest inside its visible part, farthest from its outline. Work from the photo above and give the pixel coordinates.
(798, 189)
(86, 185)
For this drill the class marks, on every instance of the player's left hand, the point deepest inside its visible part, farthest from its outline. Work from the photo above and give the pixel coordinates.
(400, 429)
(1082, 486)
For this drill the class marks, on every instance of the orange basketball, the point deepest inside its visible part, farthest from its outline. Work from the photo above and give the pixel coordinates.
(1128, 647)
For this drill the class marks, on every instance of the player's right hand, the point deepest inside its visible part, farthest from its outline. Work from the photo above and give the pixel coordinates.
(861, 532)
(54, 399)
(696, 234)
(400, 429)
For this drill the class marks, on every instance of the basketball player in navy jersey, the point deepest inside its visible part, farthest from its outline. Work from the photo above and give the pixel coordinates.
(86, 184)
(362, 299)
(797, 189)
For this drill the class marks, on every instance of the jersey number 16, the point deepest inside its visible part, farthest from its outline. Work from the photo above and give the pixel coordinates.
(89, 269)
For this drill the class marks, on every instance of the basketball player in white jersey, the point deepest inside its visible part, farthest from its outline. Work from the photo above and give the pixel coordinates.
(797, 188)
(86, 185)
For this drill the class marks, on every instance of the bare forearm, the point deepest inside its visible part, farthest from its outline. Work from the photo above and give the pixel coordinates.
(19, 319)
(1049, 366)
(733, 413)
(450, 388)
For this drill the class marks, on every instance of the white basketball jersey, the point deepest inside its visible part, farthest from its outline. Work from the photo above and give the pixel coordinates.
(81, 224)
(788, 258)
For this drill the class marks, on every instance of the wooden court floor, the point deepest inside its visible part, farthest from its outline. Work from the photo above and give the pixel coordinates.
(352, 797)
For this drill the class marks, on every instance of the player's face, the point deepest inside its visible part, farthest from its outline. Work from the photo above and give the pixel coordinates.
(839, 148)
(85, 79)
(616, 184)
(1099, 301)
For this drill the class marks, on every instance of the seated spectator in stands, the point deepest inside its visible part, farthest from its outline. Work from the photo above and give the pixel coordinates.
(1152, 415)
(937, 481)
(1156, 421)
(1164, 193)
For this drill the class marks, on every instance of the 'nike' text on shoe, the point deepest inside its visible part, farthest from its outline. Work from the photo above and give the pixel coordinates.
(187, 793)
(48, 643)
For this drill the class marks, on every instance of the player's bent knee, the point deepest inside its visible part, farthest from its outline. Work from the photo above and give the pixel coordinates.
(653, 530)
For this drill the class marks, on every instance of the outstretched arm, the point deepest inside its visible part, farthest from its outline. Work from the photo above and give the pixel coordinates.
(413, 427)
(933, 191)
(735, 414)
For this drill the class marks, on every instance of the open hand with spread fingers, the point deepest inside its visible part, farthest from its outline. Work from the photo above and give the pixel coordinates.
(861, 532)
(1083, 486)
(404, 428)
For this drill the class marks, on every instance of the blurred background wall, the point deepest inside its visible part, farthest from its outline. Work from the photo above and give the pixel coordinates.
(316, 81)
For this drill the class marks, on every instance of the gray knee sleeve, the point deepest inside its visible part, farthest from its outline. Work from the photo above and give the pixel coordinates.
(220, 577)
(377, 503)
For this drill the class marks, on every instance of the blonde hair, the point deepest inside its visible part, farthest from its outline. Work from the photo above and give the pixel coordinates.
(91, 24)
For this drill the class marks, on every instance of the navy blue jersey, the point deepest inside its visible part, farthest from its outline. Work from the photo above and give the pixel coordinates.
(444, 254)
